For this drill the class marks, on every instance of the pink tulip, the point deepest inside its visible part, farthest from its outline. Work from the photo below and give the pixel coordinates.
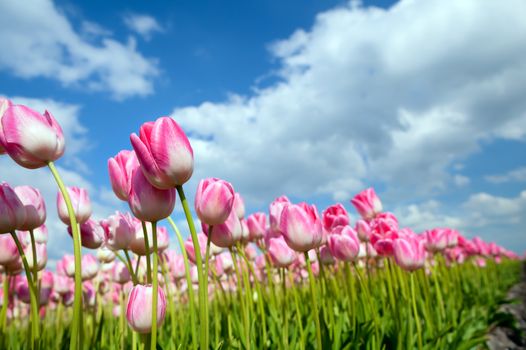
(33, 205)
(46, 287)
(367, 203)
(384, 229)
(120, 273)
(280, 253)
(139, 308)
(409, 252)
(91, 233)
(226, 234)
(121, 168)
(364, 230)
(224, 264)
(326, 257)
(190, 249)
(81, 205)
(147, 202)
(163, 239)
(301, 227)
(164, 152)
(12, 211)
(105, 255)
(41, 234)
(344, 243)
(22, 289)
(239, 206)
(251, 252)
(481, 246)
(452, 238)
(275, 209)
(30, 138)
(436, 239)
(257, 225)
(176, 265)
(90, 267)
(119, 230)
(214, 201)
(41, 258)
(334, 216)
(4, 105)
(8, 250)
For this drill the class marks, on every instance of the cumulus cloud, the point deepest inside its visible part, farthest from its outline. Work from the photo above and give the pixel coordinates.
(143, 25)
(370, 95)
(518, 175)
(39, 40)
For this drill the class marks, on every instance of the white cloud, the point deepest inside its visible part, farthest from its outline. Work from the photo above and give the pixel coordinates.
(427, 215)
(371, 95)
(486, 207)
(518, 175)
(461, 180)
(38, 40)
(143, 25)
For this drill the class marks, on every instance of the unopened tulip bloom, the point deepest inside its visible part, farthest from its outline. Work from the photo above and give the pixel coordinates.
(163, 239)
(46, 287)
(80, 202)
(137, 243)
(275, 209)
(409, 252)
(190, 249)
(30, 138)
(119, 230)
(164, 152)
(139, 308)
(90, 267)
(239, 206)
(41, 258)
(8, 250)
(301, 227)
(452, 238)
(121, 168)
(367, 203)
(148, 203)
(4, 105)
(335, 216)
(33, 205)
(344, 243)
(214, 201)
(364, 230)
(280, 253)
(326, 257)
(12, 211)
(91, 233)
(257, 225)
(176, 266)
(226, 234)
(384, 229)
(436, 239)
(41, 234)
(105, 255)
(120, 273)
(22, 289)
(251, 252)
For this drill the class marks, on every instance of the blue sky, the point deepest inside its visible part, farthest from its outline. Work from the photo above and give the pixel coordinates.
(312, 99)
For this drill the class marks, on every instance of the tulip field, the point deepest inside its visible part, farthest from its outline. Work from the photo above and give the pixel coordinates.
(293, 277)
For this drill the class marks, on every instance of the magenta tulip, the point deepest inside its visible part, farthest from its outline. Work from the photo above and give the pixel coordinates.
(139, 308)
(409, 252)
(30, 138)
(80, 202)
(367, 203)
(121, 168)
(301, 227)
(344, 243)
(335, 216)
(164, 152)
(436, 239)
(33, 205)
(148, 203)
(91, 233)
(214, 201)
(12, 211)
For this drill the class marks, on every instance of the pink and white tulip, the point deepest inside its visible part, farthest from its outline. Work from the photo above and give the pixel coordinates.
(280, 253)
(226, 234)
(119, 230)
(301, 227)
(34, 207)
(80, 202)
(139, 308)
(275, 209)
(12, 211)
(214, 201)
(343, 243)
(335, 216)
(367, 203)
(91, 233)
(257, 226)
(409, 252)
(121, 168)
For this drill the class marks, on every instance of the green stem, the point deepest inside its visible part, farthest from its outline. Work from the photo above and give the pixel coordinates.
(3, 314)
(32, 293)
(147, 246)
(130, 267)
(314, 298)
(415, 311)
(203, 300)
(244, 307)
(207, 257)
(76, 330)
(191, 299)
(155, 291)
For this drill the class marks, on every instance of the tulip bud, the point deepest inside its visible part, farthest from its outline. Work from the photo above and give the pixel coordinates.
(12, 211)
(239, 206)
(139, 308)
(190, 249)
(34, 207)
(280, 253)
(121, 169)
(335, 216)
(344, 243)
(105, 255)
(30, 138)
(226, 234)
(301, 227)
(90, 267)
(436, 239)
(409, 252)
(214, 200)
(164, 152)
(364, 230)
(147, 202)
(80, 202)
(4, 105)
(275, 209)
(367, 203)
(119, 230)
(91, 233)
(120, 273)
(41, 258)
(46, 287)
(257, 225)
(40, 234)
(8, 250)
